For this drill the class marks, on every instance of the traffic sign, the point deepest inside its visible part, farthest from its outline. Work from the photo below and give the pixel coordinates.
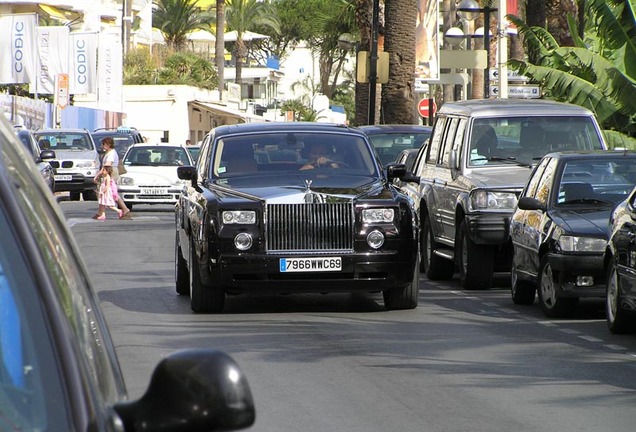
(512, 76)
(519, 91)
(423, 107)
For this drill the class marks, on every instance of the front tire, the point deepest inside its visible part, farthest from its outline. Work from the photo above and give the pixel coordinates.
(552, 305)
(406, 297)
(203, 299)
(435, 267)
(74, 196)
(181, 273)
(475, 261)
(522, 292)
(618, 319)
(89, 195)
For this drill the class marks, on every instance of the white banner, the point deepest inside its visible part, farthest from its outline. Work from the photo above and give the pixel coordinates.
(17, 48)
(53, 58)
(110, 57)
(83, 63)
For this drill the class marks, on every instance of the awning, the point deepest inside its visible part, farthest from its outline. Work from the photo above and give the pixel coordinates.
(59, 14)
(228, 113)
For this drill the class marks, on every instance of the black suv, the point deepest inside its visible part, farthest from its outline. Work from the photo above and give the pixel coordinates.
(468, 178)
(124, 137)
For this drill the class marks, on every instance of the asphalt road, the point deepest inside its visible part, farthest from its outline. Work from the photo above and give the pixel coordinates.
(462, 361)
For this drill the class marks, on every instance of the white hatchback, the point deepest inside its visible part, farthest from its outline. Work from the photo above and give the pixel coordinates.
(151, 173)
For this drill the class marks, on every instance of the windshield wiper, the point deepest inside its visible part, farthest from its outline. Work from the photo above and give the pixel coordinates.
(588, 200)
(510, 159)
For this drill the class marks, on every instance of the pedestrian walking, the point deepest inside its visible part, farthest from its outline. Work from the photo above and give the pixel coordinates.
(111, 158)
(108, 195)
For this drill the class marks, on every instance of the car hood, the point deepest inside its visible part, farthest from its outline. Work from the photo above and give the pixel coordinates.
(513, 177)
(301, 189)
(152, 175)
(75, 154)
(592, 222)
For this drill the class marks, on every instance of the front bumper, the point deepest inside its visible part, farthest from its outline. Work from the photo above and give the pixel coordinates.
(359, 273)
(149, 195)
(73, 182)
(489, 228)
(573, 269)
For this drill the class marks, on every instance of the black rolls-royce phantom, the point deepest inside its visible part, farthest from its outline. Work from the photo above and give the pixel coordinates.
(293, 208)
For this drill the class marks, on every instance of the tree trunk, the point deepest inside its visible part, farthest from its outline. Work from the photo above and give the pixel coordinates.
(240, 54)
(364, 9)
(398, 101)
(535, 17)
(219, 47)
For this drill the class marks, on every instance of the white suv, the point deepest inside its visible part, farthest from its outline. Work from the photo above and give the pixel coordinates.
(76, 160)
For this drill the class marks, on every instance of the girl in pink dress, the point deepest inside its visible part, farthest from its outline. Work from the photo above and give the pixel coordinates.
(107, 193)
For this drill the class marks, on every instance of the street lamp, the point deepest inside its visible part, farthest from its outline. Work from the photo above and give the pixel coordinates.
(469, 10)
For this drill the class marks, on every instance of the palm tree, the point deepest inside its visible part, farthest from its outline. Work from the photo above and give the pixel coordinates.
(219, 48)
(599, 72)
(245, 15)
(398, 102)
(177, 18)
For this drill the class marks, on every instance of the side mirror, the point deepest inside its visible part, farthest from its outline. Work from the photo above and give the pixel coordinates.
(529, 203)
(454, 159)
(188, 172)
(193, 390)
(47, 154)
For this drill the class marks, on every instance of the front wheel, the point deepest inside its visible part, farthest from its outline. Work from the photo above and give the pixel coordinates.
(522, 292)
(552, 305)
(89, 195)
(435, 267)
(405, 297)
(475, 261)
(618, 319)
(181, 273)
(203, 299)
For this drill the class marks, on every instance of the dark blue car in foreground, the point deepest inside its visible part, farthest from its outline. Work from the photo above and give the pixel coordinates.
(560, 229)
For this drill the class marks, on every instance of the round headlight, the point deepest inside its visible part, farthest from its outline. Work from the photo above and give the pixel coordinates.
(375, 239)
(243, 241)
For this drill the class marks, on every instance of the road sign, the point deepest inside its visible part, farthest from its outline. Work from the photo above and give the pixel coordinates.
(519, 91)
(61, 90)
(512, 76)
(423, 107)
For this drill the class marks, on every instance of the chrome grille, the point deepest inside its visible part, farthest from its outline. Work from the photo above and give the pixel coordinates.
(299, 228)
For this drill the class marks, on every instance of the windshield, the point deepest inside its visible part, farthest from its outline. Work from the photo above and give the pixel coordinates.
(526, 140)
(122, 142)
(65, 141)
(390, 145)
(600, 180)
(156, 156)
(293, 153)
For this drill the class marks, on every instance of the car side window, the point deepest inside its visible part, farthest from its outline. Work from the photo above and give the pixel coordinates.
(435, 140)
(449, 141)
(547, 179)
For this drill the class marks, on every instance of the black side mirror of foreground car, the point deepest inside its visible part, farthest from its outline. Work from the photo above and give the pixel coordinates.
(193, 390)
(188, 172)
(398, 171)
(529, 203)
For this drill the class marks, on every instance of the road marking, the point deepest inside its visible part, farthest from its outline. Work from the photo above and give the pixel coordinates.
(615, 347)
(591, 338)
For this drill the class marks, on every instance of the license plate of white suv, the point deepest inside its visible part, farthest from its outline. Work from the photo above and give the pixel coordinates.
(151, 191)
(63, 177)
(322, 264)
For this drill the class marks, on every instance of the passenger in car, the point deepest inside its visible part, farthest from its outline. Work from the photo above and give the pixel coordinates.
(485, 144)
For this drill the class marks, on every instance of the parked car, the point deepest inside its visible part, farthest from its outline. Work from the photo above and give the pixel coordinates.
(559, 230)
(58, 364)
(390, 140)
(41, 157)
(620, 264)
(264, 212)
(151, 173)
(76, 161)
(123, 137)
(467, 179)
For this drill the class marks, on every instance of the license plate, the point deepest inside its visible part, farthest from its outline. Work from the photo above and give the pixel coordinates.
(323, 264)
(154, 191)
(60, 177)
